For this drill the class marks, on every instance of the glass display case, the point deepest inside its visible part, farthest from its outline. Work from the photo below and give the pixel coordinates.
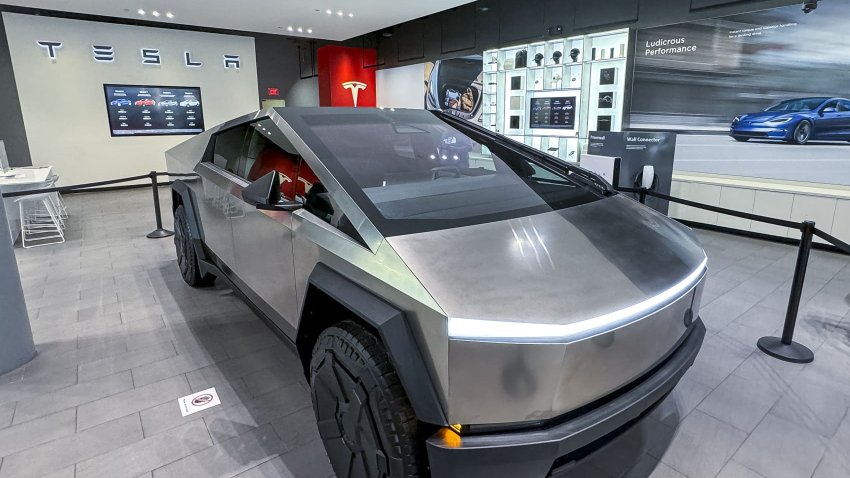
(549, 94)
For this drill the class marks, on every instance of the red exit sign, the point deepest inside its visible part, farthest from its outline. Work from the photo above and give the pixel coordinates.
(273, 91)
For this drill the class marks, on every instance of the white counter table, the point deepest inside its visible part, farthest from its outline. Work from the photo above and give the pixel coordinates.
(21, 179)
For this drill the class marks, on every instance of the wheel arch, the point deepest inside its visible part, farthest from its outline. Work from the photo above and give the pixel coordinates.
(182, 195)
(332, 298)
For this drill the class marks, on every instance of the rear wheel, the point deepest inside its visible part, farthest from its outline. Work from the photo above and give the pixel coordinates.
(365, 419)
(187, 260)
(802, 133)
(742, 139)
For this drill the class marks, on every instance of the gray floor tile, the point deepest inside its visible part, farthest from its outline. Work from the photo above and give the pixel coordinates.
(664, 471)
(815, 403)
(73, 396)
(702, 445)
(718, 358)
(227, 458)
(67, 472)
(26, 435)
(64, 452)
(681, 401)
(779, 449)
(298, 428)
(735, 470)
(834, 464)
(233, 421)
(148, 454)
(309, 460)
(192, 359)
(6, 413)
(740, 402)
(267, 380)
(131, 401)
(127, 361)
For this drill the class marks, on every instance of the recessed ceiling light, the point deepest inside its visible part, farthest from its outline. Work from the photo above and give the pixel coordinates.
(289, 28)
(155, 13)
(329, 11)
(309, 30)
(300, 30)
(140, 11)
(169, 14)
(350, 15)
(339, 12)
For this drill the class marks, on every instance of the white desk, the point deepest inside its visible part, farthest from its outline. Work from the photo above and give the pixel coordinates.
(23, 179)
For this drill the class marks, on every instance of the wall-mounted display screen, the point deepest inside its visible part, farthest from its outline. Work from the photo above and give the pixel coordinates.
(154, 110)
(553, 113)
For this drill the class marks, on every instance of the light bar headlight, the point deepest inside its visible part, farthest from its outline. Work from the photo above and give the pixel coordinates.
(523, 332)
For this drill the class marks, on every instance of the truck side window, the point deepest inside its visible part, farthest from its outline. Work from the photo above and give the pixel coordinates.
(228, 148)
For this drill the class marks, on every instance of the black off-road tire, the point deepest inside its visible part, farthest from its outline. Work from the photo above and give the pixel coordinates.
(365, 419)
(187, 260)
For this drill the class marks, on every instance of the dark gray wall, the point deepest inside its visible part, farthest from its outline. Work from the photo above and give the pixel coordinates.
(12, 130)
(16, 344)
(485, 24)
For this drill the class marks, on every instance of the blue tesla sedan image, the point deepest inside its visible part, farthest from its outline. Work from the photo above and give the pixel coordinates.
(121, 102)
(796, 121)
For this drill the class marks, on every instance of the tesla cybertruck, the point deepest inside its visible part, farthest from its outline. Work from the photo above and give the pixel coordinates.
(463, 305)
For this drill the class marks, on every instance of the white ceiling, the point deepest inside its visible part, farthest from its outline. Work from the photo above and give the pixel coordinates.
(264, 16)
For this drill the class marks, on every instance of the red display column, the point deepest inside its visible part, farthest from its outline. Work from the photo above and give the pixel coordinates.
(343, 81)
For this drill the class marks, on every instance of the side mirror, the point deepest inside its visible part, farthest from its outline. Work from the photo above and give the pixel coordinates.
(264, 194)
(264, 191)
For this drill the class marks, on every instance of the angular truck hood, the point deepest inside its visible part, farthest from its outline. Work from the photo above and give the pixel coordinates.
(559, 267)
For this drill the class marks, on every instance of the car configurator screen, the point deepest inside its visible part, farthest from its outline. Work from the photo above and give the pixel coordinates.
(154, 110)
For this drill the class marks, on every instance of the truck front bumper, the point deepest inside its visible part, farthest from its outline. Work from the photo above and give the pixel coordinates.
(534, 453)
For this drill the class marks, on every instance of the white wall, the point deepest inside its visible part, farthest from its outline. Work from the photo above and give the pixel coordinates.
(63, 103)
(828, 206)
(402, 87)
(304, 93)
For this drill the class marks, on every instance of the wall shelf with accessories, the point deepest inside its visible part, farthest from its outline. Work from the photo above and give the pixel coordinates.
(548, 94)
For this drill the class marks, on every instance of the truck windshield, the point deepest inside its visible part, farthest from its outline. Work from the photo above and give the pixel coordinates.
(411, 171)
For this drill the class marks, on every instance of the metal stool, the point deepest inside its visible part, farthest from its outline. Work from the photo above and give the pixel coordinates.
(41, 223)
(56, 197)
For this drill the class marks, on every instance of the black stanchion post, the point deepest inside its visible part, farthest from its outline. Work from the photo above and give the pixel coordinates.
(159, 233)
(643, 195)
(785, 348)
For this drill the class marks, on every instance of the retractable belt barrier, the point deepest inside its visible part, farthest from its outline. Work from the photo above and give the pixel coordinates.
(158, 233)
(783, 348)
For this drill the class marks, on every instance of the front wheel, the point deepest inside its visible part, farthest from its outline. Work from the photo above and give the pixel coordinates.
(365, 420)
(802, 133)
(187, 260)
(742, 139)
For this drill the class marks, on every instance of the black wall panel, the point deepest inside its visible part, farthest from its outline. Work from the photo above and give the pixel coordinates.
(700, 4)
(12, 130)
(520, 20)
(410, 40)
(609, 12)
(457, 29)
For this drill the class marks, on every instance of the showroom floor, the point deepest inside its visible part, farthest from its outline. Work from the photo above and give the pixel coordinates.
(121, 337)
